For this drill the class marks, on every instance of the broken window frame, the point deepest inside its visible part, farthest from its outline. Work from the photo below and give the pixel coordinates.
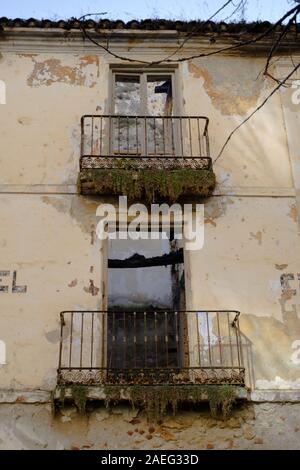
(171, 71)
(173, 143)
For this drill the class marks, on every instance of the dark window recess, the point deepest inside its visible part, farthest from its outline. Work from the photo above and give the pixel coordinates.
(164, 88)
(145, 290)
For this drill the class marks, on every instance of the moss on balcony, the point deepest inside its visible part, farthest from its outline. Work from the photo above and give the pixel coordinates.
(156, 401)
(147, 184)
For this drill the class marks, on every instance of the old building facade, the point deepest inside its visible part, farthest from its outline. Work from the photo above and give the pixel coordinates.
(80, 126)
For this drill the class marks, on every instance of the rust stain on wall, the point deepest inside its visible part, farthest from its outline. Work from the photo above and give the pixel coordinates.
(28, 55)
(293, 214)
(234, 96)
(92, 289)
(24, 120)
(257, 236)
(280, 267)
(52, 71)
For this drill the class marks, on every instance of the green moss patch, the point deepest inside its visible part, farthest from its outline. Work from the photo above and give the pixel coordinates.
(149, 185)
(156, 400)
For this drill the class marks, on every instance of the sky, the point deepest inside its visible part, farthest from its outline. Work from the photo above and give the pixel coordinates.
(138, 9)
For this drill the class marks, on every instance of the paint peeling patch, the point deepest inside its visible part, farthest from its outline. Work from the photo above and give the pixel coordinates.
(52, 71)
(93, 234)
(59, 203)
(257, 236)
(73, 283)
(293, 214)
(216, 208)
(280, 267)
(92, 289)
(30, 56)
(237, 95)
(24, 120)
(208, 220)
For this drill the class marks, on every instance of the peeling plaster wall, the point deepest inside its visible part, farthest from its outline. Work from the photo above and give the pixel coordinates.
(249, 263)
(250, 260)
(50, 242)
(40, 124)
(257, 427)
(227, 89)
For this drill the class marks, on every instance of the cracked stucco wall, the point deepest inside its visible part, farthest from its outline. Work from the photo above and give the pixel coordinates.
(40, 124)
(250, 260)
(257, 427)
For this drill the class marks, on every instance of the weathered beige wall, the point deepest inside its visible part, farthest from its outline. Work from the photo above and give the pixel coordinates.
(40, 124)
(50, 241)
(254, 427)
(251, 235)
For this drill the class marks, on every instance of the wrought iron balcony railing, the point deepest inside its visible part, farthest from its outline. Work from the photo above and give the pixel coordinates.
(161, 142)
(150, 348)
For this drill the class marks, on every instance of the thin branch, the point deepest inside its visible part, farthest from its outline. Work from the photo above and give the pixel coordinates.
(195, 31)
(195, 56)
(275, 46)
(242, 43)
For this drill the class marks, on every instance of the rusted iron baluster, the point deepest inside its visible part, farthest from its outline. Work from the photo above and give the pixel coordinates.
(71, 341)
(207, 139)
(181, 139)
(172, 137)
(134, 338)
(164, 136)
(146, 137)
(237, 343)
(199, 138)
(82, 149)
(155, 339)
(154, 134)
(92, 340)
(240, 342)
(208, 340)
(166, 339)
(219, 339)
(81, 338)
(177, 339)
(136, 136)
(127, 118)
(101, 135)
(145, 337)
(112, 358)
(230, 341)
(125, 339)
(119, 135)
(198, 338)
(62, 323)
(190, 138)
(92, 137)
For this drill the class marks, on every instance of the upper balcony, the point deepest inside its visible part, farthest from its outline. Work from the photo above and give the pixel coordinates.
(146, 157)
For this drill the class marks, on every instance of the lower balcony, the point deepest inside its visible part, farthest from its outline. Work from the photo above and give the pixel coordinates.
(155, 360)
(149, 158)
(156, 348)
